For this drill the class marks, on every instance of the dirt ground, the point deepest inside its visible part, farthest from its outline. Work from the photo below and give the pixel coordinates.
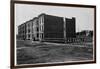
(44, 52)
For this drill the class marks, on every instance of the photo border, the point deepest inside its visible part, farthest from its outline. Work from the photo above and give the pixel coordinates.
(12, 32)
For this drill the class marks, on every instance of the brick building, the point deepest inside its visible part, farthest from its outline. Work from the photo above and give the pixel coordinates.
(49, 28)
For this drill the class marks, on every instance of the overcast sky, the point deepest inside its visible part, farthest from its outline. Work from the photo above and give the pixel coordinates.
(84, 16)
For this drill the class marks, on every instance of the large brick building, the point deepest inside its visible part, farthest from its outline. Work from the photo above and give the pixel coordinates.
(48, 28)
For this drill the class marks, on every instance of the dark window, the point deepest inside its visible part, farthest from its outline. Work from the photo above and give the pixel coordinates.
(42, 35)
(29, 30)
(37, 35)
(29, 36)
(37, 29)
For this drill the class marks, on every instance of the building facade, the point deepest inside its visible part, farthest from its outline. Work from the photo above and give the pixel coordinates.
(35, 28)
(22, 31)
(48, 28)
(53, 28)
(41, 26)
(29, 30)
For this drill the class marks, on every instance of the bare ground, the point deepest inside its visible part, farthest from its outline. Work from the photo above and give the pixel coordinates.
(42, 52)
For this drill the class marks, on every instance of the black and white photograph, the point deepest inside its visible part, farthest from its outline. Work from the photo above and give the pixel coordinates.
(53, 34)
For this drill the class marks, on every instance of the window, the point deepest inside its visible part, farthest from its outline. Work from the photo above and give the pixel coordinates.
(37, 35)
(42, 20)
(42, 28)
(37, 29)
(42, 35)
(29, 36)
(28, 30)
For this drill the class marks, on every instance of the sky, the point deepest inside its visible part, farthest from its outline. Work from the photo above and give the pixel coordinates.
(84, 16)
